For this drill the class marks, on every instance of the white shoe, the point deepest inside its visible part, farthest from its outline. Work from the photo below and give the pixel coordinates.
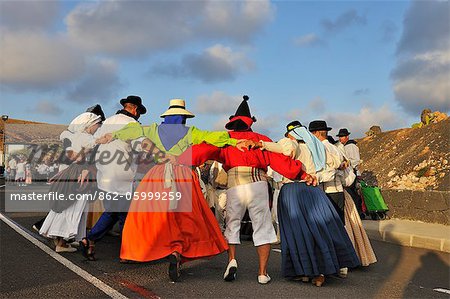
(74, 244)
(65, 249)
(263, 279)
(343, 272)
(35, 228)
(230, 273)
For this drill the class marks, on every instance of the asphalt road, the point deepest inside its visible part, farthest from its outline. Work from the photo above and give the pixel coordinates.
(28, 272)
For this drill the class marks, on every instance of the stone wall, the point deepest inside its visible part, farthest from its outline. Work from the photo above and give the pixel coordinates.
(426, 206)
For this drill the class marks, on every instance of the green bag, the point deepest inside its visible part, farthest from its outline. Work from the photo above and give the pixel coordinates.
(372, 198)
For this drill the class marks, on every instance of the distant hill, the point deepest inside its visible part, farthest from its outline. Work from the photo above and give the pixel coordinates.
(408, 159)
(30, 132)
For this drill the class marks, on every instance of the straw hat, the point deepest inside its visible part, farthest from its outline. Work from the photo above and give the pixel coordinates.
(178, 107)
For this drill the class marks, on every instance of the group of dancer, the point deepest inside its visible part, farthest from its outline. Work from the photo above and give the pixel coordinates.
(320, 230)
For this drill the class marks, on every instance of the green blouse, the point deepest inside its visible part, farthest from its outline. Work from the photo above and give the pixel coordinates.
(194, 136)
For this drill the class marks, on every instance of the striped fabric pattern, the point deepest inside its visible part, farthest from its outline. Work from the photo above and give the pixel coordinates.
(242, 175)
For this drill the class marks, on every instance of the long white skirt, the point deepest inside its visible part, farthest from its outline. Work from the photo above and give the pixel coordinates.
(69, 224)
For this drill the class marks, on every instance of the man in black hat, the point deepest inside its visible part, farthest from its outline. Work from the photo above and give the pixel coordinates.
(328, 178)
(116, 169)
(351, 151)
(330, 182)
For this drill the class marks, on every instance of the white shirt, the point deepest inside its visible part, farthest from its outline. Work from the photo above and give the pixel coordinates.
(12, 164)
(20, 167)
(82, 142)
(115, 173)
(329, 177)
(295, 150)
(43, 169)
(352, 153)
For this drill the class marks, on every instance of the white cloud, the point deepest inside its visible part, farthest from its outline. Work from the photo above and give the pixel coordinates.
(309, 40)
(99, 84)
(140, 27)
(316, 106)
(422, 72)
(268, 125)
(359, 123)
(425, 28)
(31, 60)
(221, 121)
(29, 15)
(217, 63)
(217, 103)
(235, 20)
(46, 107)
(344, 20)
(294, 114)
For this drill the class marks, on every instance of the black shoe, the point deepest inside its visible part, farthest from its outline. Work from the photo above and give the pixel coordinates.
(87, 250)
(174, 268)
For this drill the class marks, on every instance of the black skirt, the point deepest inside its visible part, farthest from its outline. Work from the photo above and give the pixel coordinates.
(66, 182)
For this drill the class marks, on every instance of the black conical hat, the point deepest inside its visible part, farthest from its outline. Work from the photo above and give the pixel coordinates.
(243, 109)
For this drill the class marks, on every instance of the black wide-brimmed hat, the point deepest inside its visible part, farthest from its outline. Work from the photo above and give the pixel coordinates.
(291, 126)
(318, 125)
(343, 132)
(136, 101)
(97, 110)
(242, 119)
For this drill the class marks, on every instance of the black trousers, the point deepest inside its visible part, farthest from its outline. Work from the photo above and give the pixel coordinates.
(338, 201)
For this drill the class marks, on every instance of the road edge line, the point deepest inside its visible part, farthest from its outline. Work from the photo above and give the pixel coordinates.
(111, 292)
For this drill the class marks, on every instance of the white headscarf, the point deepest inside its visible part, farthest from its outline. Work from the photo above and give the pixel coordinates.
(83, 121)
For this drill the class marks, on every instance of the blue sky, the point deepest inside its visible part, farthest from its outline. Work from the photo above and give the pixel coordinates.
(354, 64)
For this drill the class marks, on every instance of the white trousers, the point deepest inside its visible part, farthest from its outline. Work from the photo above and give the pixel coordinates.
(255, 198)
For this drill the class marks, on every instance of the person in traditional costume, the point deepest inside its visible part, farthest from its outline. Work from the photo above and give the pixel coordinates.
(184, 229)
(67, 219)
(357, 233)
(331, 178)
(64, 161)
(248, 188)
(314, 242)
(330, 182)
(20, 174)
(353, 223)
(116, 165)
(350, 149)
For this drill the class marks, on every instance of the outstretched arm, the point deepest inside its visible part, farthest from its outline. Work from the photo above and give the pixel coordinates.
(198, 154)
(219, 139)
(216, 138)
(289, 168)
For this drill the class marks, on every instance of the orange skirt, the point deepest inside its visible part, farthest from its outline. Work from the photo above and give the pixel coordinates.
(151, 232)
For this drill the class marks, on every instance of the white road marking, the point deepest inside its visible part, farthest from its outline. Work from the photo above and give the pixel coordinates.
(442, 290)
(113, 293)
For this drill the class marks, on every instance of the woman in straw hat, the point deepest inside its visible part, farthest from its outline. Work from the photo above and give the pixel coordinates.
(180, 226)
